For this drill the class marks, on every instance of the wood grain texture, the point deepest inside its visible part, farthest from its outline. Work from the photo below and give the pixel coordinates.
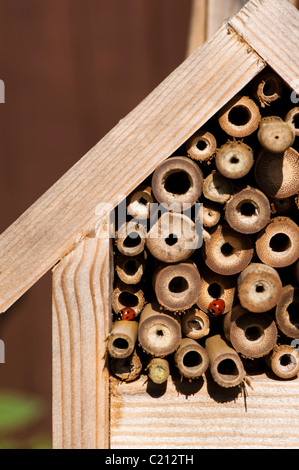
(181, 104)
(206, 418)
(81, 324)
(271, 28)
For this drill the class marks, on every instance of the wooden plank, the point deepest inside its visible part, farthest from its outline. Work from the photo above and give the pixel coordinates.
(181, 104)
(207, 417)
(81, 324)
(271, 28)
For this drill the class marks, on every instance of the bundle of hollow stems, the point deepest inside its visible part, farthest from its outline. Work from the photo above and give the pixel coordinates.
(216, 220)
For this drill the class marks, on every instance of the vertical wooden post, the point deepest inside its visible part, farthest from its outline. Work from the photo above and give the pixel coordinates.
(207, 16)
(82, 283)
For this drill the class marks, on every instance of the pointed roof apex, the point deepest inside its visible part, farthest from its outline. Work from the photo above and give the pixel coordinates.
(264, 32)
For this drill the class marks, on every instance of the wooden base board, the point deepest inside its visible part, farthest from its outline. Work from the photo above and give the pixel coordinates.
(147, 417)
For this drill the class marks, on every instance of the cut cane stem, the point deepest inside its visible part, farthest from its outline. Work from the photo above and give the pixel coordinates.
(278, 244)
(277, 175)
(130, 269)
(127, 369)
(227, 252)
(284, 361)
(225, 364)
(177, 182)
(248, 211)
(287, 311)
(217, 188)
(276, 135)
(191, 359)
(173, 238)
(240, 117)
(267, 88)
(293, 117)
(127, 295)
(211, 214)
(195, 324)
(130, 239)
(253, 335)
(202, 146)
(158, 370)
(177, 286)
(122, 339)
(234, 159)
(159, 332)
(259, 287)
(139, 203)
(215, 286)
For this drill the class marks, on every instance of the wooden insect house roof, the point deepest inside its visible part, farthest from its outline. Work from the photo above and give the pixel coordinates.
(66, 227)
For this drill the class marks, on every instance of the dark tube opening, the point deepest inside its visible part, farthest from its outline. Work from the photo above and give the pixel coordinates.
(239, 115)
(171, 240)
(132, 240)
(227, 249)
(201, 145)
(280, 242)
(178, 183)
(247, 208)
(178, 285)
(253, 333)
(128, 299)
(131, 267)
(215, 290)
(228, 369)
(120, 343)
(192, 359)
(293, 312)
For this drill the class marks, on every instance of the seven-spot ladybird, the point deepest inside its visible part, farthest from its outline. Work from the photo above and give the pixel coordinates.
(126, 313)
(217, 307)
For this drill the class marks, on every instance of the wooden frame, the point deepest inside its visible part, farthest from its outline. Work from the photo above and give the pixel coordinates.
(62, 226)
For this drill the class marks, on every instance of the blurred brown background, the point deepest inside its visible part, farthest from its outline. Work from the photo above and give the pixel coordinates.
(72, 69)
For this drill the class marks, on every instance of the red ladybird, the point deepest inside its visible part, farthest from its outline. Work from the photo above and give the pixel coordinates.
(127, 314)
(216, 307)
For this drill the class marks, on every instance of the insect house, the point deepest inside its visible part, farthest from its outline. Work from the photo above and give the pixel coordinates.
(176, 278)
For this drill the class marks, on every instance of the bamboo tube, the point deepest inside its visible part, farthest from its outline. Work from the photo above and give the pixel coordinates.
(277, 175)
(158, 370)
(227, 252)
(211, 214)
(195, 324)
(267, 88)
(276, 135)
(284, 361)
(122, 339)
(240, 117)
(225, 364)
(234, 159)
(127, 295)
(139, 202)
(259, 287)
(191, 359)
(130, 239)
(248, 211)
(215, 286)
(287, 311)
(173, 238)
(177, 182)
(201, 146)
(293, 117)
(177, 286)
(127, 369)
(253, 335)
(159, 332)
(278, 244)
(217, 188)
(130, 269)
